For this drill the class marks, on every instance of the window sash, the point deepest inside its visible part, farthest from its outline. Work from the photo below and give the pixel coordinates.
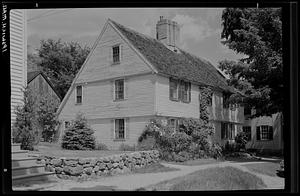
(79, 94)
(264, 132)
(116, 54)
(173, 89)
(119, 89)
(119, 129)
(247, 131)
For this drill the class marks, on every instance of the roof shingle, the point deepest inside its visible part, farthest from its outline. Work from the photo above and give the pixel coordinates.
(182, 65)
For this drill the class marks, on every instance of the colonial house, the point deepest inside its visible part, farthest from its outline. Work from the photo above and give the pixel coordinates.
(264, 132)
(129, 78)
(41, 86)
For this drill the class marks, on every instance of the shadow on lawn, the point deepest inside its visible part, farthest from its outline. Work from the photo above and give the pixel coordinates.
(96, 188)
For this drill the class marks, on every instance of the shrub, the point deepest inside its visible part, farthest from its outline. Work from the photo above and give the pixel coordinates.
(229, 147)
(126, 147)
(241, 141)
(101, 146)
(147, 144)
(216, 151)
(24, 128)
(79, 136)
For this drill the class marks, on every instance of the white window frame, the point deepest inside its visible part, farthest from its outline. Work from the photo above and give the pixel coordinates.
(177, 89)
(115, 129)
(76, 103)
(124, 93)
(266, 132)
(112, 50)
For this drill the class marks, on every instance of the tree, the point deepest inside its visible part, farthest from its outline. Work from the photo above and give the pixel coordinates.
(79, 136)
(61, 62)
(256, 33)
(24, 128)
(47, 118)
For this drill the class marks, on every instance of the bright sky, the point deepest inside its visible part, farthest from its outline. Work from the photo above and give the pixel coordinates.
(200, 28)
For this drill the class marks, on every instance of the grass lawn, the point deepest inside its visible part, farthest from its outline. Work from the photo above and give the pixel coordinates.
(227, 178)
(197, 162)
(53, 149)
(269, 169)
(154, 168)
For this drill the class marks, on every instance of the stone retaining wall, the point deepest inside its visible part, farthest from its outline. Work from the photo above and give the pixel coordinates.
(85, 168)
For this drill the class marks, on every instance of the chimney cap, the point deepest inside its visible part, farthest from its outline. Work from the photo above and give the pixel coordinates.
(161, 17)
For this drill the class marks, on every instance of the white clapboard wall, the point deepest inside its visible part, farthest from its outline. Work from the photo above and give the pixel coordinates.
(18, 57)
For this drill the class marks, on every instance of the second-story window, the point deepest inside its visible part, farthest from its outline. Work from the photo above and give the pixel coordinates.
(119, 89)
(116, 54)
(173, 89)
(78, 94)
(180, 90)
(185, 91)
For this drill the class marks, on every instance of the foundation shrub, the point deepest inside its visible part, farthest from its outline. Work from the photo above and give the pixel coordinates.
(79, 136)
(241, 141)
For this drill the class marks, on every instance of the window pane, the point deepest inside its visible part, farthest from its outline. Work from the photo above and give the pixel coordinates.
(116, 54)
(120, 128)
(173, 89)
(79, 90)
(119, 89)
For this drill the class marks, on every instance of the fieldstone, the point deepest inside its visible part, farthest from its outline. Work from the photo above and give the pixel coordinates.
(109, 165)
(56, 162)
(93, 161)
(58, 170)
(87, 165)
(88, 170)
(93, 175)
(74, 171)
(115, 165)
(121, 164)
(84, 176)
(81, 161)
(102, 166)
(71, 163)
(106, 159)
(116, 171)
(96, 168)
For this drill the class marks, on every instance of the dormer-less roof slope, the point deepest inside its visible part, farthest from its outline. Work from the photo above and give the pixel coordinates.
(182, 65)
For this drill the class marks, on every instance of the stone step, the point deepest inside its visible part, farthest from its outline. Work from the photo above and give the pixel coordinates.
(20, 154)
(23, 162)
(32, 178)
(15, 147)
(25, 170)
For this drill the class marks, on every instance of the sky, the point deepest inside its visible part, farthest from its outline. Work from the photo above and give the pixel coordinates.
(200, 28)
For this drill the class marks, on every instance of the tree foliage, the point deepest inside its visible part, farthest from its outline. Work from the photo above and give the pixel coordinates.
(24, 127)
(61, 62)
(79, 136)
(256, 33)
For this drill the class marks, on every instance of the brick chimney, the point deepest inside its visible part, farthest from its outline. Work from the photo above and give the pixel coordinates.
(167, 32)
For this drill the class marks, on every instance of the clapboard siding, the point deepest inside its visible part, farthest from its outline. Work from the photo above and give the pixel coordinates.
(18, 57)
(42, 88)
(97, 101)
(99, 65)
(166, 107)
(276, 122)
(218, 113)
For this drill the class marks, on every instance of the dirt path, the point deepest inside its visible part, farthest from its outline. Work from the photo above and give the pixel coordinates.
(136, 181)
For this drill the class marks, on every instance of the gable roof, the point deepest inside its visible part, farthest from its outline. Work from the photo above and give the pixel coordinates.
(182, 65)
(33, 74)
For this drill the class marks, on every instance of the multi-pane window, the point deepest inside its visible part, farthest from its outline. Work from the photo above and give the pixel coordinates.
(247, 131)
(227, 131)
(116, 54)
(180, 90)
(264, 132)
(78, 94)
(119, 129)
(185, 91)
(173, 89)
(119, 89)
(173, 123)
